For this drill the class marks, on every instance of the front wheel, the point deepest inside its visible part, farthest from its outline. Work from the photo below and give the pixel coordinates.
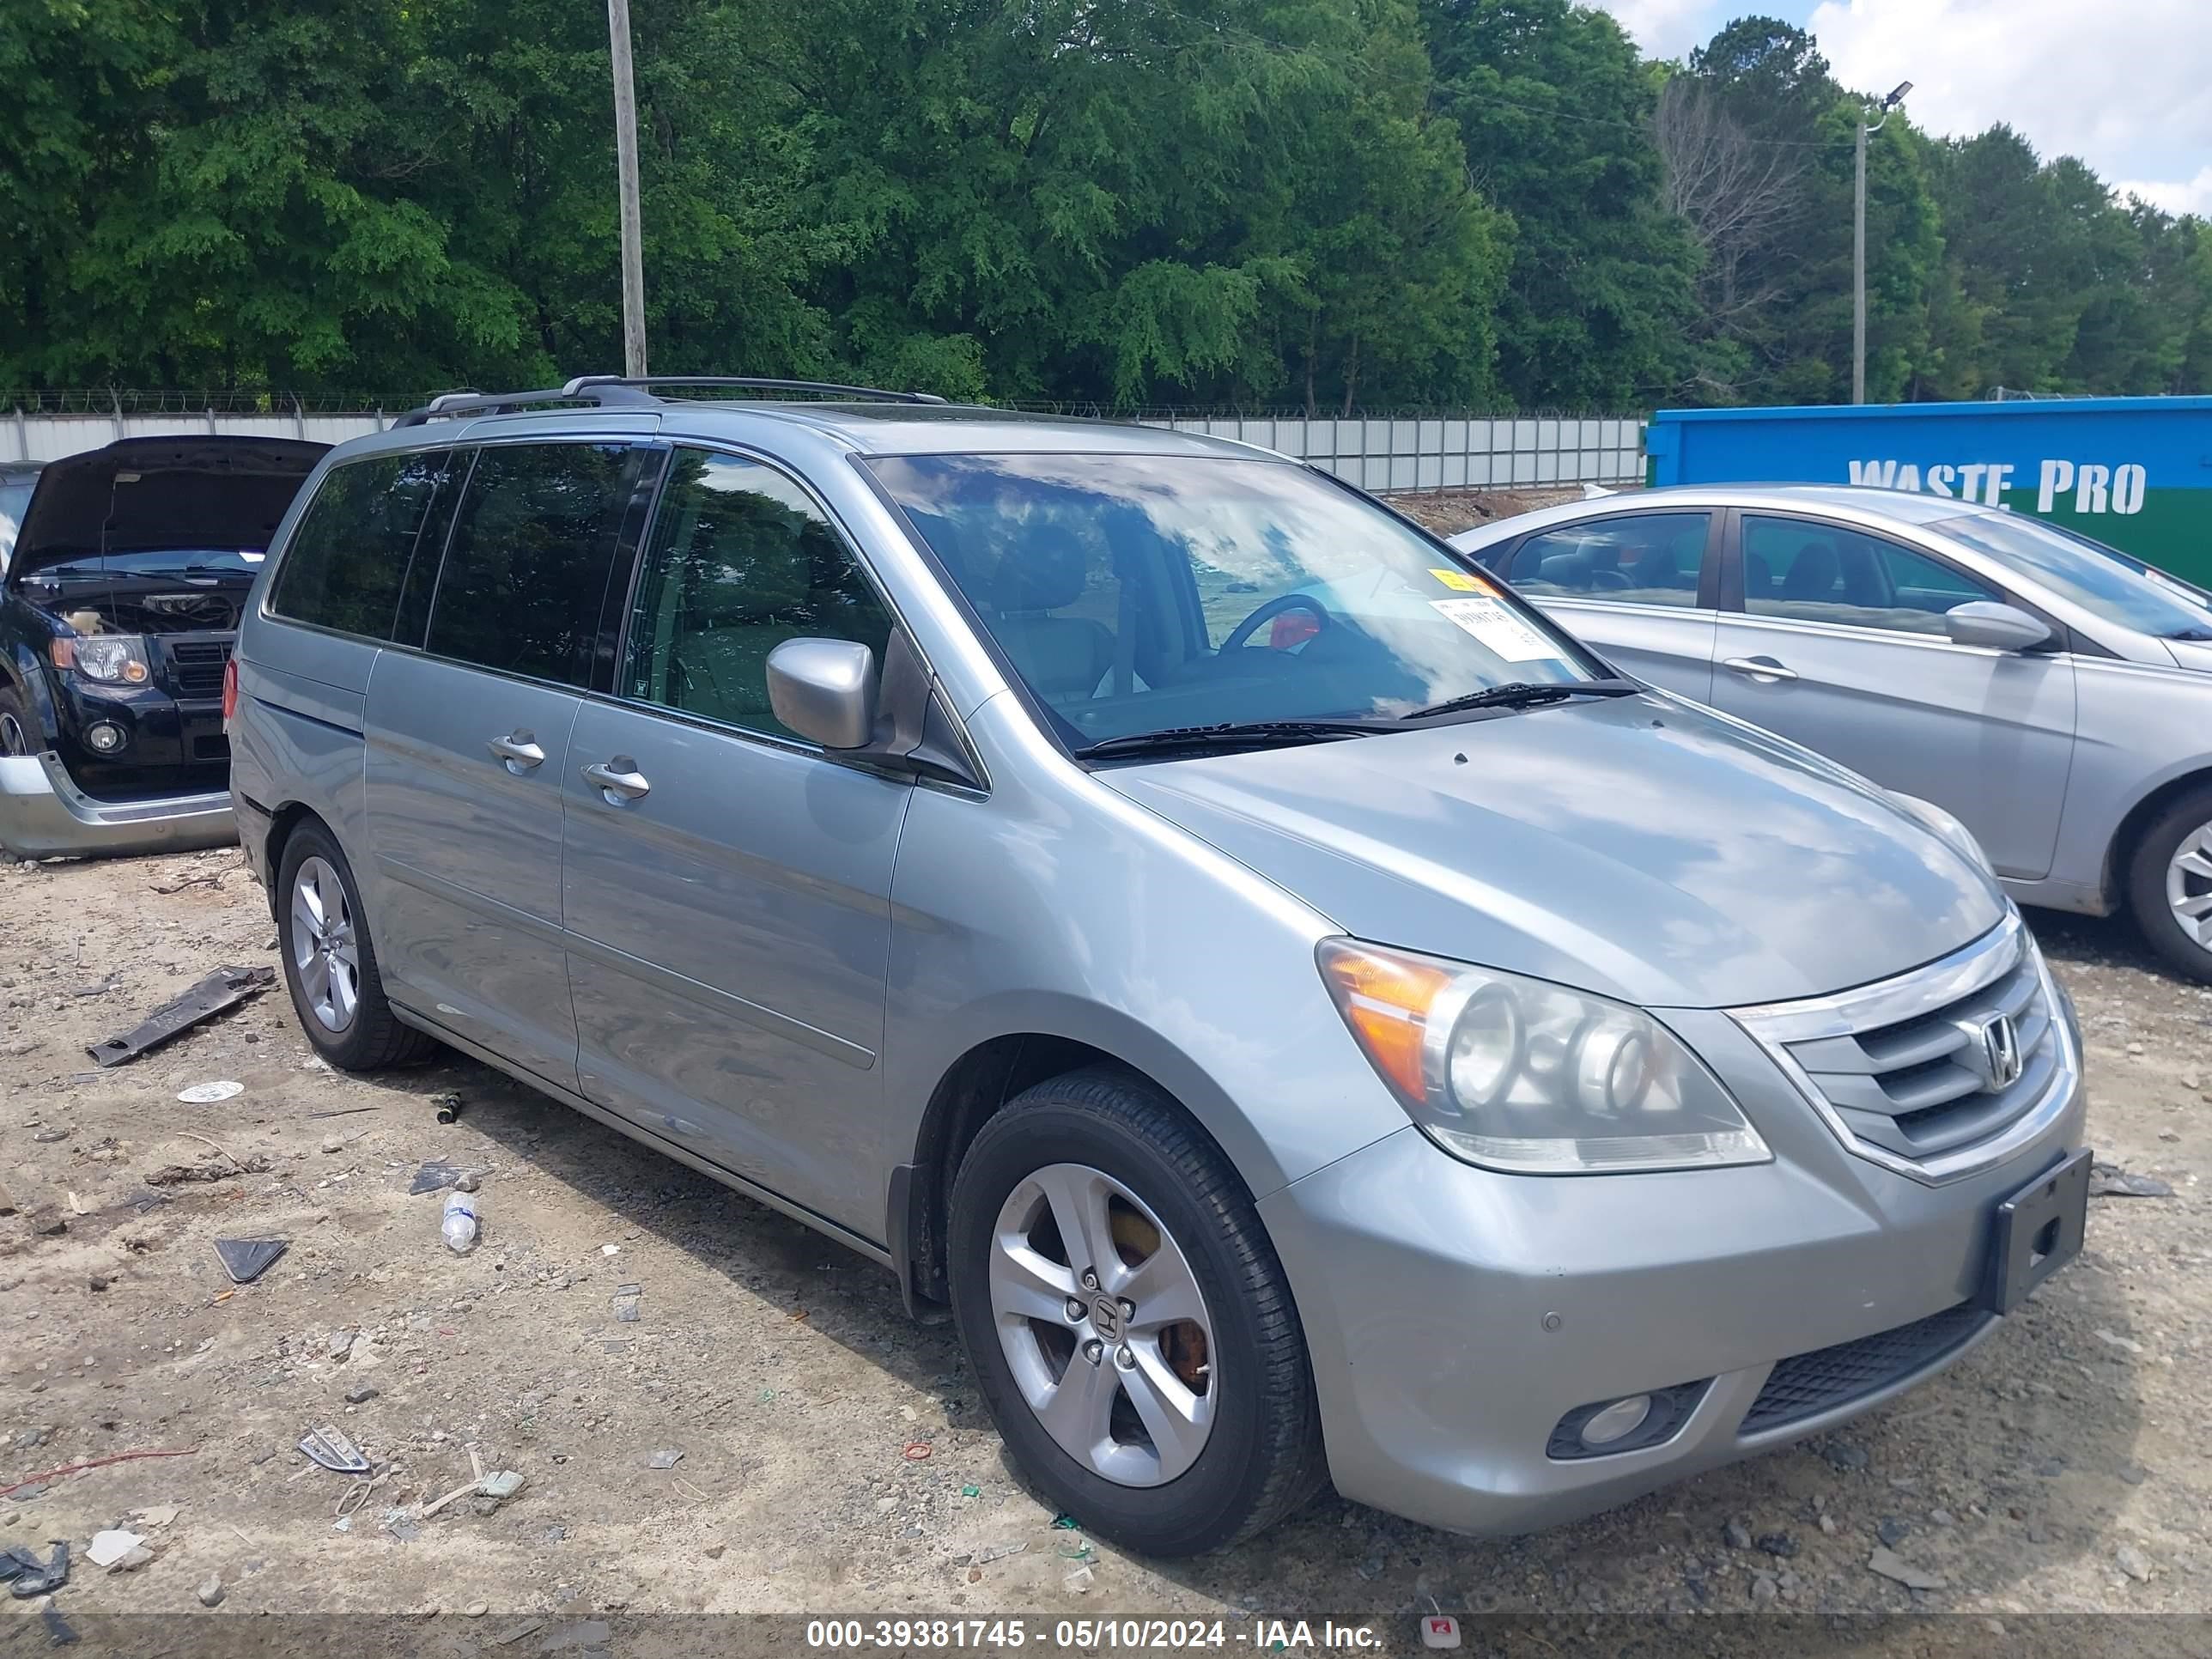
(2170, 885)
(1130, 1325)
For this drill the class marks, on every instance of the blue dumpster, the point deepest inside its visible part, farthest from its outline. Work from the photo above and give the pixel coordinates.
(2133, 472)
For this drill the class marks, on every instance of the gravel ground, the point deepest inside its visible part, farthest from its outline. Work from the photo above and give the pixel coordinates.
(830, 1455)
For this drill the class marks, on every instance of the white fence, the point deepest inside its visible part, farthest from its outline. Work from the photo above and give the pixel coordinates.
(1375, 451)
(1446, 452)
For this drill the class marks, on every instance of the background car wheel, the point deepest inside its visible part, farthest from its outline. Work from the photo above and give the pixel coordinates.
(18, 728)
(329, 964)
(2170, 885)
(1130, 1325)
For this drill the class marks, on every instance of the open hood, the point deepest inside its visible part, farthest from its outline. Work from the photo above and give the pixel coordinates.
(147, 494)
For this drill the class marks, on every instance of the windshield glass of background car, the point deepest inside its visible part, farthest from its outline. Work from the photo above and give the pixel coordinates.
(1142, 592)
(2071, 567)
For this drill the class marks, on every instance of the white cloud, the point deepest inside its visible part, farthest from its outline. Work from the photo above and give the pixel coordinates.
(1666, 28)
(2188, 196)
(2121, 84)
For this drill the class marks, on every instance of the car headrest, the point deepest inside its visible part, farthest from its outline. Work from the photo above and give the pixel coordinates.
(1039, 578)
(1812, 572)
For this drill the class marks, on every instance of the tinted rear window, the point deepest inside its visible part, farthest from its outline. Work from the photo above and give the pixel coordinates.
(526, 572)
(350, 554)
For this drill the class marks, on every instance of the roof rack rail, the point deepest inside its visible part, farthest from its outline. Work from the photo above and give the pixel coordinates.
(583, 383)
(615, 389)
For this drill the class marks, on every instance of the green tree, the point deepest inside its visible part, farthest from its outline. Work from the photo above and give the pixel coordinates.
(1551, 103)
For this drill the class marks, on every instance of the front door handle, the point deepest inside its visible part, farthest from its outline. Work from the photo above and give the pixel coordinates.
(1759, 668)
(617, 781)
(519, 750)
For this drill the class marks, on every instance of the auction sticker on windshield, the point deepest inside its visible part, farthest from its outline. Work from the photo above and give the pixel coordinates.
(1497, 629)
(1462, 581)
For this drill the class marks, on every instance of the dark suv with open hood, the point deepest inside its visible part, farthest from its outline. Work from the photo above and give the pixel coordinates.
(117, 613)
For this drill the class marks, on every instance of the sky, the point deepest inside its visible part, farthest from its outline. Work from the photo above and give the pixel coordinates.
(2126, 85)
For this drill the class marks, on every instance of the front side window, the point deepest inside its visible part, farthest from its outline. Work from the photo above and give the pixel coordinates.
(525, 573)
(1824, 573)
(740, 560)
(2102, 581)
(1140, 593)
(350, 554)
(1639, 558)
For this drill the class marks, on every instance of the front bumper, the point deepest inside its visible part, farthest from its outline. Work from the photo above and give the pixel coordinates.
(43, 814)
(1454, 1315)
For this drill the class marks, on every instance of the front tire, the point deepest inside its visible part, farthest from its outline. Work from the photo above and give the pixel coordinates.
(2170, 885)
(19, 727)
(330, 962)
(1130, 1325)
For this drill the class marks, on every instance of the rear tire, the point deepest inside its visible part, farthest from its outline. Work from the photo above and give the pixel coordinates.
(1240, 1446)
(330, 961)
(2170, 885)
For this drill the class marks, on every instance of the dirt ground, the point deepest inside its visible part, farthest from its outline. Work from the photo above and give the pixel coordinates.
(832, 1457)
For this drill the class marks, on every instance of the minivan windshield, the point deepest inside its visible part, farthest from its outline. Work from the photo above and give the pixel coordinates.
(1145, 593)
(2102, 581)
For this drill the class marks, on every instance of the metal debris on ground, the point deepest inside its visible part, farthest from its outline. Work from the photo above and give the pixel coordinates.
(226, 987)
(448, 1105)
(626, 1302)
(664, 1460)
(330, 1449)
(206, 1094)
(180, 885)
(246, 1259)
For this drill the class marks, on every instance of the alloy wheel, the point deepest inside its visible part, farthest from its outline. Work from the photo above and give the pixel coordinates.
(1103, 1325)
(324, 951)
(14, 740)
(2188, 885)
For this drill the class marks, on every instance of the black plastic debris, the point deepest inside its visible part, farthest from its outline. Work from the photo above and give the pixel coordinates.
(226, 987)
(60, 1633)
(35, 1578)
(434, 1176)
(448, 1105)
(246, 1259)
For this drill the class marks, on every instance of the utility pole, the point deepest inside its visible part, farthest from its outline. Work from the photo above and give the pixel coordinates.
(633, 256)
(1858, 245)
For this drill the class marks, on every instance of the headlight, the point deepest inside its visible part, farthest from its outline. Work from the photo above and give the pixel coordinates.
(1948, 828)
(110, 659)
(1519, 1075)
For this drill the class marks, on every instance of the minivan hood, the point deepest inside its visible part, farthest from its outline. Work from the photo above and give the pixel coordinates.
(147, 494)
(1640, 847)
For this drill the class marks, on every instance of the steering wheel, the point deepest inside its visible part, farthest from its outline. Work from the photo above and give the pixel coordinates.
(1274, 608)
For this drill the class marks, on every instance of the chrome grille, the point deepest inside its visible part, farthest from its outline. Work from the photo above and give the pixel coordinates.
(1931, 1071)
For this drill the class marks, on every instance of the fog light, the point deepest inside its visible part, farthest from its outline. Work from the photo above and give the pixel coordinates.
(1617, 1421)
(106, 737)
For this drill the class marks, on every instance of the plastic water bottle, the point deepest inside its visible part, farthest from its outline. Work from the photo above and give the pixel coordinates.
(459, 1223)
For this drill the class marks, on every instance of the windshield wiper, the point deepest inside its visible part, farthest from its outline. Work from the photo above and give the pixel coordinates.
(1230, 734)
(1528, 694)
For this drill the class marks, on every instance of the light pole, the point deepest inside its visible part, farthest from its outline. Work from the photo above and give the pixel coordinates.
(633, 256)
(1858, 246)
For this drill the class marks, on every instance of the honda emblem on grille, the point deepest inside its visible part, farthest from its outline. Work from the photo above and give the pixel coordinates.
(2001, 1057)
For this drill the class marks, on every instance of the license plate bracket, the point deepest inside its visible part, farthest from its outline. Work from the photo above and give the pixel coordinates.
(2038, 1230)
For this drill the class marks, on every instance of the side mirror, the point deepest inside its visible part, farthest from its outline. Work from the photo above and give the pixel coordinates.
(2003, 627)
(824, 691)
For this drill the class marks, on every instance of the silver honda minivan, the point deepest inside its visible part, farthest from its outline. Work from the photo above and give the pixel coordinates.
(1299, 1036)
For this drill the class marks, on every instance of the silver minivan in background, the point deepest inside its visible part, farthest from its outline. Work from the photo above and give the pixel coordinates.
(1297, 1036)
(2053, 693)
